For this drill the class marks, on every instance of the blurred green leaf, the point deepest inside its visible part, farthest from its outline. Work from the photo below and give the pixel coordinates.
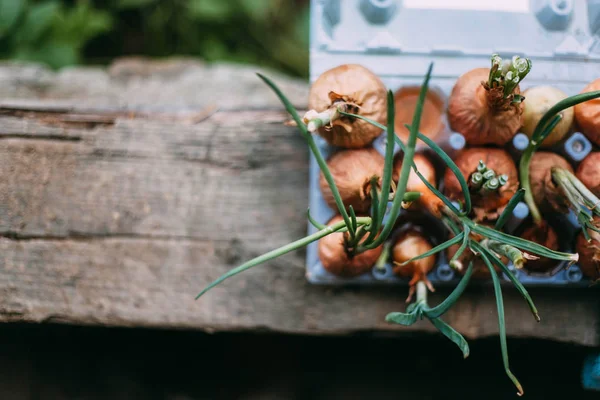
(258, 10)
(77, 25)
(10, 10)
(268, 33)
(127, 4)
(54, 54)
(37, 21)
(211, 9)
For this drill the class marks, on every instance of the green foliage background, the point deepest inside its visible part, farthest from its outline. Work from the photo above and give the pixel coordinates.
(272, 33)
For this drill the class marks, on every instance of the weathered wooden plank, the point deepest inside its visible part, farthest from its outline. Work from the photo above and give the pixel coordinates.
(124, 191)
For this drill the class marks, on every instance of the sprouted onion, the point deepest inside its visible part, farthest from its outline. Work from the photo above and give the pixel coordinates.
(353, 170)
(352, 88)
(412, 244)
(492, 177)
(485, 104)
(336, 258)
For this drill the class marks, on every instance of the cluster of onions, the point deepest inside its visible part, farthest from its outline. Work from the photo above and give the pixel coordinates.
(356, 166)
(549, 179)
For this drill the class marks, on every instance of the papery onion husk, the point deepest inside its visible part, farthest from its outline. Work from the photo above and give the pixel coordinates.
(588, 172)
(336, 260)
(587, 114)
(428, 200)
(482, 115)
(352, 170)
(405, 101)
(545, 235)
(480, 269)
(367, 96)
(412, 244)
(589, 253)
(486, 206)
(539, 100)
(546, 194)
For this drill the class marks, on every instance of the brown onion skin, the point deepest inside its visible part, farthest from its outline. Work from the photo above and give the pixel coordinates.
(352, 170)
(489, 206)
(539, 100)
(480, 269)
(546, 194)
(412, 244)
(335, 260)
(589, 253)
(587, 114)
(355, 84)
(428, 199)
(545, 235)
(472, 113)
(588, 172)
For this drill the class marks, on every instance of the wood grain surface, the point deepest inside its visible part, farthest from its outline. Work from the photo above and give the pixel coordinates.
(125, 190)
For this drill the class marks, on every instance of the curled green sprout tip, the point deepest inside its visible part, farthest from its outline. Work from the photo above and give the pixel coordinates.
(507, 74)
(476, 180)
(492, 184)
(489, 174)
(481, 167)
(503, 179)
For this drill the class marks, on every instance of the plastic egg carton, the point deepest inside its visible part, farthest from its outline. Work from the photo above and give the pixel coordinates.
(397, 39)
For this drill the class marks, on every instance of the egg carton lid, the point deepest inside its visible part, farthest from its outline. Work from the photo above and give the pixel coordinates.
(397, 39)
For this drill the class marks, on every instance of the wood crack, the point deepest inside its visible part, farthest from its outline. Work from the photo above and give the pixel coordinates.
(89, 236)
(58, 138)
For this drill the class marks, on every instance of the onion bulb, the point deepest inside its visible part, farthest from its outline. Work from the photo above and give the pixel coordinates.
(480, 113)
(412, 244)
(545, 235)
(428, 199)
(588, 172)
(352, 170)
(589, 254)
(405, 101)
(364, 94)
(539, 100)
(488, 201)
(336, 260)
(545, 193)
(587, 114)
